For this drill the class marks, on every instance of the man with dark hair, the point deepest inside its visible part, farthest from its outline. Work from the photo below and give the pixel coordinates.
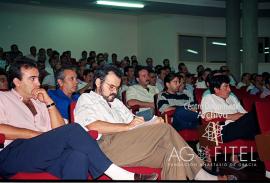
(100, 59)
(15, 52)
(149, 63)
(245, 81)
(37, 139)
(114, 59)
(182, 68)
(259, 87)
(142, 94)
(239, 124)
(152, 78)
(176, 98)
(83, 55)
(129, 72)
(226, 71)
(128, 140)
(161, 73)
(201, 81)
(87, 82)
(3, 80)
(66, 93)
(33, 53)
(49, 81)
(166, 62)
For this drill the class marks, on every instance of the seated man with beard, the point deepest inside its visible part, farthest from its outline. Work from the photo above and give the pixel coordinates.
(128, 140)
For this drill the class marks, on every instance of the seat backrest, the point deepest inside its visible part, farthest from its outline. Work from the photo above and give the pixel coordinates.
(198, 94)
(124, 97)
(71, 111)
(2, 140)
(168, 116)
(263, 115)
(239, 93)
(4, 90)
(157, 113)
(249, 102)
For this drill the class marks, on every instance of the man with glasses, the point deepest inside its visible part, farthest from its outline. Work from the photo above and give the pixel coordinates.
(128, 140)
(37, 140)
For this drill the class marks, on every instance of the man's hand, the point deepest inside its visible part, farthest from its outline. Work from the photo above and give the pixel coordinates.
(159, 120)
(235, 116)
(136, 121)
(42, 95)
(35, 133)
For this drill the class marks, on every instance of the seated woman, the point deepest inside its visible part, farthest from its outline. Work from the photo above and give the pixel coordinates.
(175, 97)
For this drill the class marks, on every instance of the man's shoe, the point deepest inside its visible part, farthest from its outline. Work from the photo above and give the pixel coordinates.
(152, 176)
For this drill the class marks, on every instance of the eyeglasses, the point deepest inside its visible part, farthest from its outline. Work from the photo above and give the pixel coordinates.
(111, 86)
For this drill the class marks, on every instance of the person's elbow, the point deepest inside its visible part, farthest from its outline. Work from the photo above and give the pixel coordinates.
(132, 102)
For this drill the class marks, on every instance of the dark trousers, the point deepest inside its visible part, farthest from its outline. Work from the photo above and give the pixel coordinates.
(245, 127)
(185, 119)
(67, 152)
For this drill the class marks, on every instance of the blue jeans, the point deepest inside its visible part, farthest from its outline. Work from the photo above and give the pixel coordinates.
(147, 114)
(67, 152)
(185, 119)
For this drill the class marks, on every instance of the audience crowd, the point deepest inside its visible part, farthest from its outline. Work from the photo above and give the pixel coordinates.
(150, 87)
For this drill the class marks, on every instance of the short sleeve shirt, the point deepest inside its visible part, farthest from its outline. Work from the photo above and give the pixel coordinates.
(139, 93)
(215, 104)
(92, 107)
(15, 113)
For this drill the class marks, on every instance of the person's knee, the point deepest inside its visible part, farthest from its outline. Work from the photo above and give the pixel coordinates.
(79, 158)
(77, 127)
(166, 127)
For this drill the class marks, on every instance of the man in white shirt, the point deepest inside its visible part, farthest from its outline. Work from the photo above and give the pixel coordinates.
(128, 140)
(33, 53)
(37, 140)
(221, 104)
(245, 81)
(142, 94)
(160, 80)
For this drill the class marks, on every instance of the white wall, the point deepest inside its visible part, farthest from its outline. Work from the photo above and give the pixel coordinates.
(67, 29)
(146, 35)
(158, 36)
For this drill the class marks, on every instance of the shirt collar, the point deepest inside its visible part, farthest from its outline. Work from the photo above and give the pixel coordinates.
(62, 94)
(101, 98)
(97, 95)
(14, 92)
(147, 88)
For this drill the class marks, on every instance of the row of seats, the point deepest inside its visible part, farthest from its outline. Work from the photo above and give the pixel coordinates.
(188, 135)
(48, 176)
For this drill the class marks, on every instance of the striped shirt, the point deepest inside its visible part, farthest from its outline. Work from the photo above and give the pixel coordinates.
(166, 100)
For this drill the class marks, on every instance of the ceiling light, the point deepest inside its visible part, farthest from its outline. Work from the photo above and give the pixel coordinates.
(266, 52)
(192, 51)
(34, 2)
(266, 48)
(219, 43)
(122, 4)
(241, 50)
